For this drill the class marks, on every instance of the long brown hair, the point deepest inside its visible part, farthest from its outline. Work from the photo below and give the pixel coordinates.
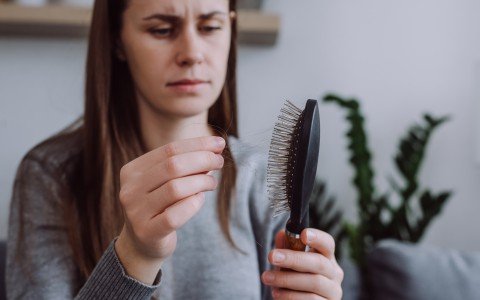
(111, 137)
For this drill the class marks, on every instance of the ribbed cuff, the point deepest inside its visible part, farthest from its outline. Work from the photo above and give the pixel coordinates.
(110, 281)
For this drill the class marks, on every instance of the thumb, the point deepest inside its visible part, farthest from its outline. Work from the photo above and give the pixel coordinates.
(280, 240)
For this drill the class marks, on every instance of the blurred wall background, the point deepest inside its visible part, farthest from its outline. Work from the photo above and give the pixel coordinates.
(401, 58)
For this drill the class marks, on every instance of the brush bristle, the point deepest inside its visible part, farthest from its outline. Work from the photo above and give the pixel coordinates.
(281, 157)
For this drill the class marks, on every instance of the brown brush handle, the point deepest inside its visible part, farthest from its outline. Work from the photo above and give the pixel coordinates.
(293, 241)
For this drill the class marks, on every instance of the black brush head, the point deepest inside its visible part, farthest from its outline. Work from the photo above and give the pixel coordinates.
(292, 162)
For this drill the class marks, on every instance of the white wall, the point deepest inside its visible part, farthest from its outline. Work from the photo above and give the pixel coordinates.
(401, 58)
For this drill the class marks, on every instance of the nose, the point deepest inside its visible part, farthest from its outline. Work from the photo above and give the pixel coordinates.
(189, 49)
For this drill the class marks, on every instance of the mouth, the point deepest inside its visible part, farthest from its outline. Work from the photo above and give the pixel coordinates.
(187, 82)
(187, 85)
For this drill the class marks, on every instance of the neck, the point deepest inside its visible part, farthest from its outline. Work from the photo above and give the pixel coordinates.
(160, 129)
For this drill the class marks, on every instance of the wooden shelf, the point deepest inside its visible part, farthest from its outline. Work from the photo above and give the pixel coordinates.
(254, 27)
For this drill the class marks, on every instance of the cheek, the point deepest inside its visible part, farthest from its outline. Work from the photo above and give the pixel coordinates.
(144, 58)
(220, 63)
(145, 64)
(146, 68)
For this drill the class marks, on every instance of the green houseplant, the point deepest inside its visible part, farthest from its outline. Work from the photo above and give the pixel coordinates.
(324, 215)
(379, 218)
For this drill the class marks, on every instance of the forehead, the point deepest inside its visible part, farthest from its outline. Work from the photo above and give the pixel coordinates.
(178, 7)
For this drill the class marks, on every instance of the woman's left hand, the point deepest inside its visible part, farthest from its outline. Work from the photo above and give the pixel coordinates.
(311, 275)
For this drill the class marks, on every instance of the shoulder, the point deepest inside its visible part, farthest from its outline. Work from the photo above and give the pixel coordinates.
(251, 163)
(248, 157)
(55, 155)
(42, 180)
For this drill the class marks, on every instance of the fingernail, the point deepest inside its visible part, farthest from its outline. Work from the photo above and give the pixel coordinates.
(220, 161)
(220, 142)
(310, 235)
(268, 276)
(278, 256)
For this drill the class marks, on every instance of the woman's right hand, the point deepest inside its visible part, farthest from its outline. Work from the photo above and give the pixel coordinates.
(159, 192)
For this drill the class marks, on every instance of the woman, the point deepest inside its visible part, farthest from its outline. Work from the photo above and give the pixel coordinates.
(129, 201)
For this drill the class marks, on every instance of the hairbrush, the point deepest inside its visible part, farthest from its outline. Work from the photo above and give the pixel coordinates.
(292, 166)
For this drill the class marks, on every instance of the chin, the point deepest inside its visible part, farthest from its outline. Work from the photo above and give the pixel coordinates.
(190, 106)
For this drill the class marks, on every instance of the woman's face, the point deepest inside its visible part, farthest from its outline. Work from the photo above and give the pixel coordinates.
(177, 52)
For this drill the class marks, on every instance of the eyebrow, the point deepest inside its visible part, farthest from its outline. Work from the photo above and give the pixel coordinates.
(176, 18)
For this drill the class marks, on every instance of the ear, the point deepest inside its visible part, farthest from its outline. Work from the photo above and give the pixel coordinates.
(119, 52)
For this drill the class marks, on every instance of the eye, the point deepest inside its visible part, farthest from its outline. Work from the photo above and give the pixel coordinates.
(162, 32)
(210, 26)
(210, 29)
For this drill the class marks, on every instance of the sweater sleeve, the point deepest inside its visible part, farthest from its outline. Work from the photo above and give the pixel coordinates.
(109, 281)
(39, 258)
(265, 226)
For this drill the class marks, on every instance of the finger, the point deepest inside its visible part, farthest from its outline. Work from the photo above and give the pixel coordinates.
(177, 189)
(320, 241)
(179, 166)
(339, 271)
(303, 282)
(178, 214)
(294, 295)
(207, 143)
(280, 240)
(305, 262)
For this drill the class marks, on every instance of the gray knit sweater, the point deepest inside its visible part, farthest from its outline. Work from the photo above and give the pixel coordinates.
(195, 271)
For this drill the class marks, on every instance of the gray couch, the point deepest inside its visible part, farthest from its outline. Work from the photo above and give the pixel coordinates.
(402, 271)
(3, 254)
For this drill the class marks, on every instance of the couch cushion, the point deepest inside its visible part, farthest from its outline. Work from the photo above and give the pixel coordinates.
(405, 271)
(3, 257)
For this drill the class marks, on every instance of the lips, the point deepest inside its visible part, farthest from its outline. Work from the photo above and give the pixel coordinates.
(186, 82)
(188, 86)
